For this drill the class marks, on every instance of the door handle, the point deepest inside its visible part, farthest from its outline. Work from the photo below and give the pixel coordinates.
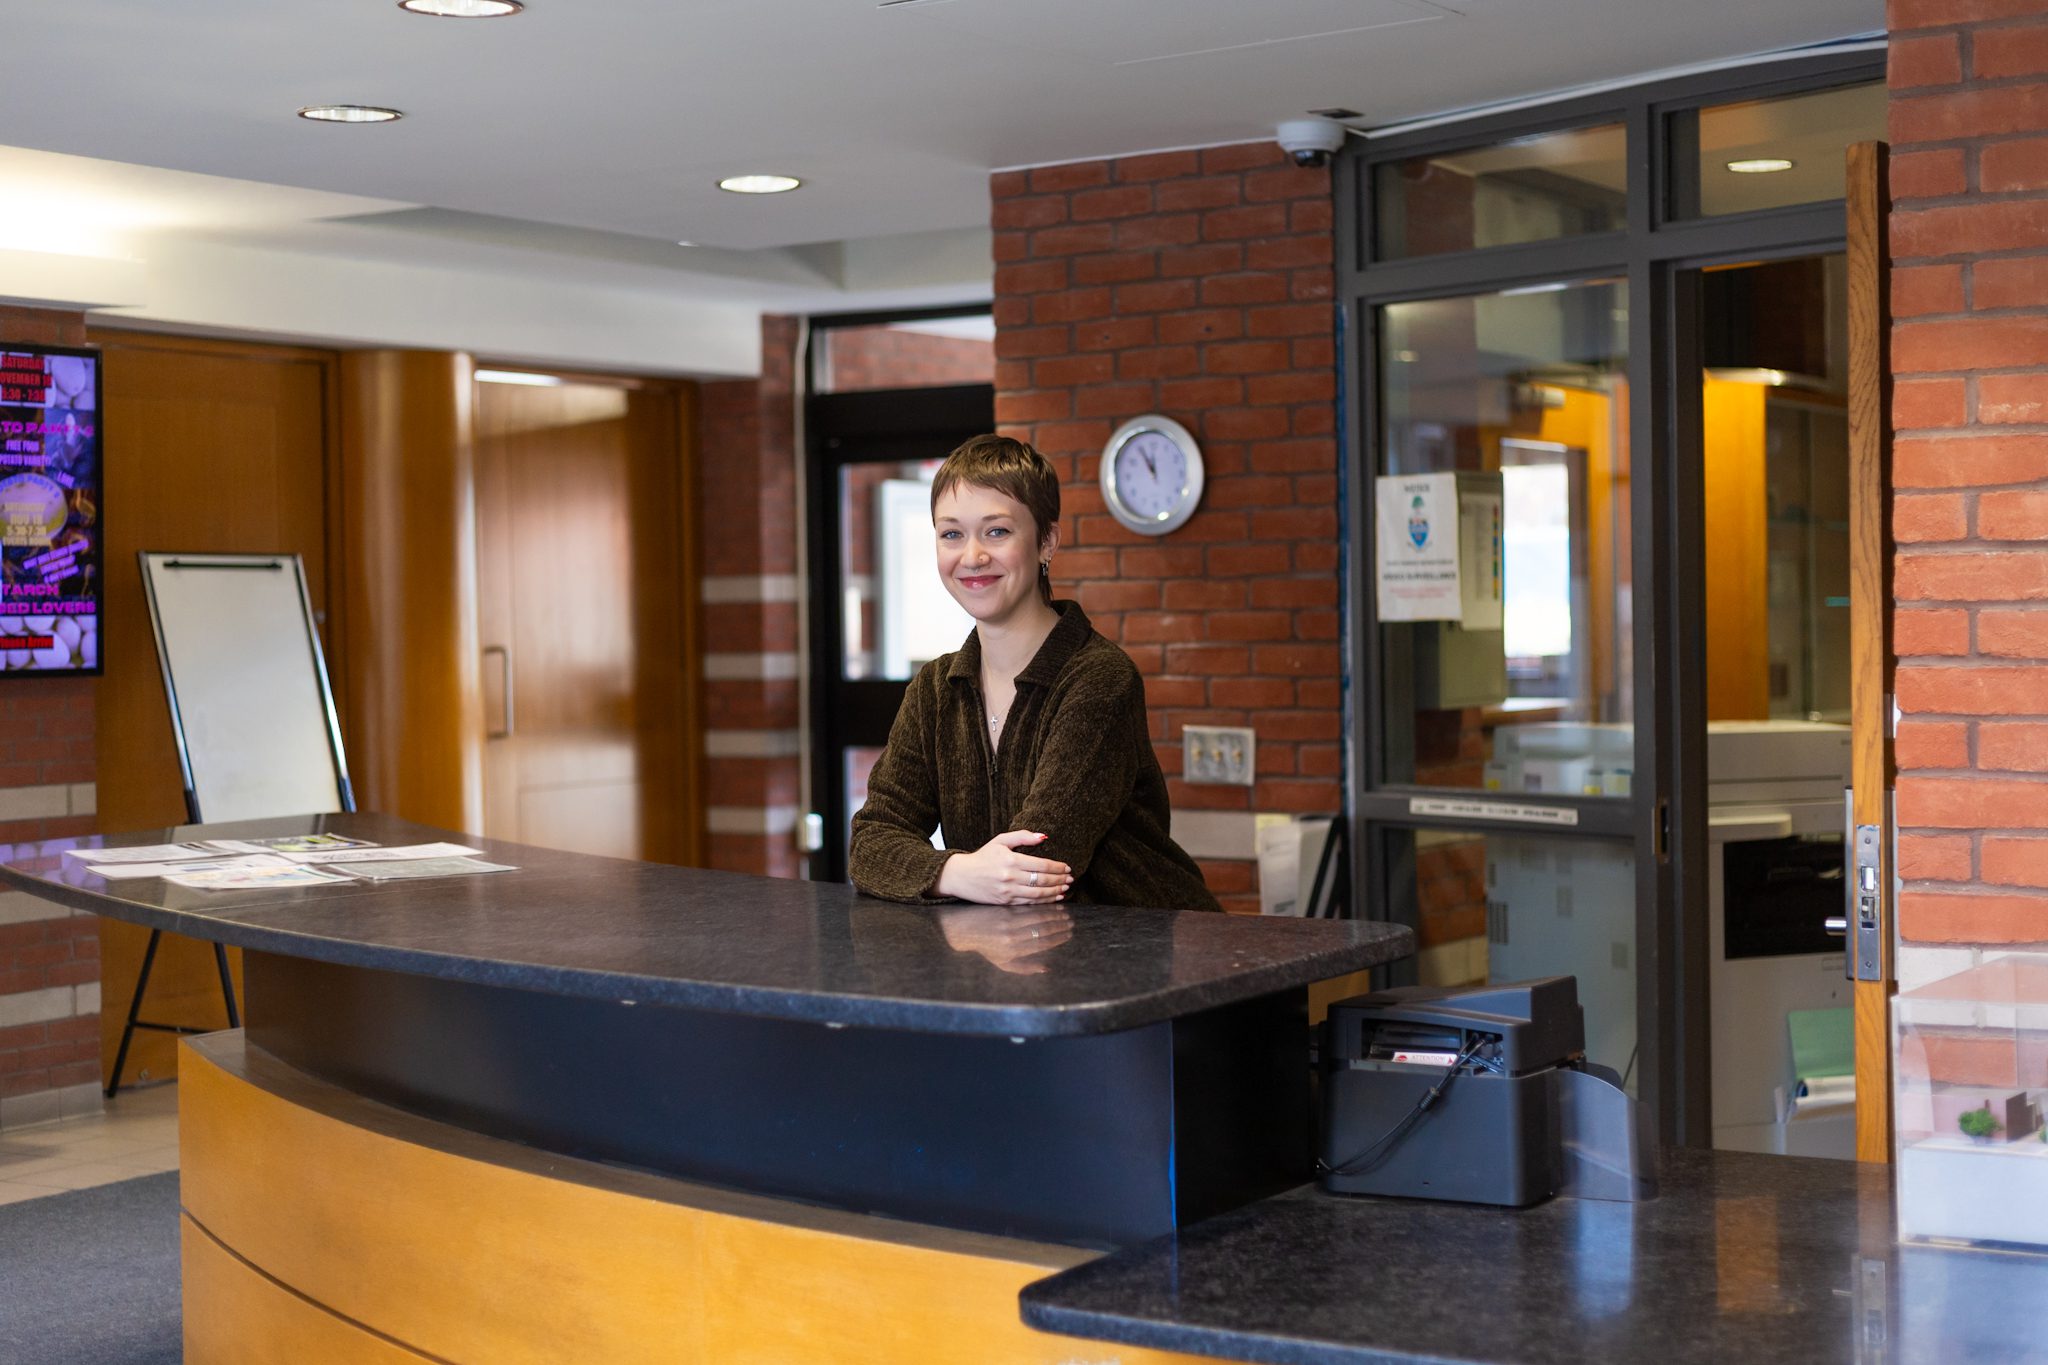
(1836, 925)
(504, 654)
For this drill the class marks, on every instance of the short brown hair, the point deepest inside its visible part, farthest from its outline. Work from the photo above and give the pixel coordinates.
(1013, 468)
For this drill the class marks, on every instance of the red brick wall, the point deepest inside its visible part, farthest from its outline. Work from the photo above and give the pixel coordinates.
(1969, 133)
(1197, 285)
(47, 754)
(893, 358)
(35, 955)
(747, 462)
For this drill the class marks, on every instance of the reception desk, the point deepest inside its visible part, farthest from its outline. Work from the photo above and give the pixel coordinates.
(602, 1110)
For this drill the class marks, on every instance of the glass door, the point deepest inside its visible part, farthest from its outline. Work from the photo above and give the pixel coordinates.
(1501, 575)
(1548, 595)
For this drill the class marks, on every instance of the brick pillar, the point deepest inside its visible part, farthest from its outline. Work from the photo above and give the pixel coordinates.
(49, 956)
(1969, 133)
(1197, 285)
(747, 460)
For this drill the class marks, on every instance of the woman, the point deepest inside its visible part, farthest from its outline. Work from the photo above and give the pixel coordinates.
(1028, 746)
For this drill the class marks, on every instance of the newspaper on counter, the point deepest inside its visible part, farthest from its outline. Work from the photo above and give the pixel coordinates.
(251, 876)
(421, 867)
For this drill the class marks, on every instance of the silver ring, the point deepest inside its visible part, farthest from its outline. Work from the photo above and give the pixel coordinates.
(1034, 879)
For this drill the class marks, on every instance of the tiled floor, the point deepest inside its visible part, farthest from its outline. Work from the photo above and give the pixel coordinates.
(137, 1134)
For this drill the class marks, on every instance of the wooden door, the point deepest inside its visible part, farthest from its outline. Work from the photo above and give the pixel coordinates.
(1870, 609)
(209, 447)
(586, 588)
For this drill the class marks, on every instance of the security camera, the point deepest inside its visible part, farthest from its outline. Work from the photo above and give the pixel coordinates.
(1310, 141)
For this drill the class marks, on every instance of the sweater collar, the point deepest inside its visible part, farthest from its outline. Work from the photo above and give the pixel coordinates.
(1066, 639)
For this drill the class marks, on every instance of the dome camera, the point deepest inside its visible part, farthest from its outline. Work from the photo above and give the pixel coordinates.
(1310, 141)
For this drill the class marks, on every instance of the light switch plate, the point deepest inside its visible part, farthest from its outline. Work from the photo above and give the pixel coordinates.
(1219, 755)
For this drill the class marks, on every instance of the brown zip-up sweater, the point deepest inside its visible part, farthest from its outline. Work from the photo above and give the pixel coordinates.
(1075, 763)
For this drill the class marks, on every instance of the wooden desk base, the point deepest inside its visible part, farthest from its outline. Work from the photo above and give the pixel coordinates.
(319, 1226)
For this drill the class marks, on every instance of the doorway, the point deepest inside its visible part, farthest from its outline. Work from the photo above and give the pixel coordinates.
(1533, 298)
(890, 397)
(1773, 445)
(585, 580)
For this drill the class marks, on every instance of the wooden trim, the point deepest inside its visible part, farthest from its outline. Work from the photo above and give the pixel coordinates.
(455, 1246)
(234, 1312)
(1870, 607)
(121, 338)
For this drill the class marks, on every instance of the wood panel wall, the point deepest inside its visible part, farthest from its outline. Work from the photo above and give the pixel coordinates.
(413, 711)
(209, 446)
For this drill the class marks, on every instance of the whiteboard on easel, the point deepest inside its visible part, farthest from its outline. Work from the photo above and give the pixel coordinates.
(250, 705)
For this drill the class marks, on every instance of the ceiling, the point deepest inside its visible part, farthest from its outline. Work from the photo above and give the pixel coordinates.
(592, 132)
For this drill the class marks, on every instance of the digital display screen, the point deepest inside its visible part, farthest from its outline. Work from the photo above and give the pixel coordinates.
(50, 571)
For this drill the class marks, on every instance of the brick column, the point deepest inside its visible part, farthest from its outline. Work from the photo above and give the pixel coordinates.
(1197, 285)
(747, 460)
(1969, 133)
(49, 956)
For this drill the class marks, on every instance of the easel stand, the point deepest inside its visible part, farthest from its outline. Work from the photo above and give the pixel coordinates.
(235, 636)
(227, 994)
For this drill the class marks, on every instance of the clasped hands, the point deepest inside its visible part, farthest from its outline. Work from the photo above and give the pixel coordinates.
(998, 873)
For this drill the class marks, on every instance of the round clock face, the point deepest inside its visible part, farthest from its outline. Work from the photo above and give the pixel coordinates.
(1151, 471)
(1152, 475)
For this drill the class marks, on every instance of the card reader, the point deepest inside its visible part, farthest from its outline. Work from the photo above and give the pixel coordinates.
(1479, 1094)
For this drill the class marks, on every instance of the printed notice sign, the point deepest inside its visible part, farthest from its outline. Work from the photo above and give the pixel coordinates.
(1418, 568)
(1480, 602)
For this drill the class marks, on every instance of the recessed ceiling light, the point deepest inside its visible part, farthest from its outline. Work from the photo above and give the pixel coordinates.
(463, 9)
(349, 113)
(685, 243)
(759, 184)
(1760, 165)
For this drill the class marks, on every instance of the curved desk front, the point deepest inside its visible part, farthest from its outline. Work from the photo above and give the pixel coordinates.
(612, 1111)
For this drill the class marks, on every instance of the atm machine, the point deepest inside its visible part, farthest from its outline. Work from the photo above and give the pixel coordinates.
(1775, 837)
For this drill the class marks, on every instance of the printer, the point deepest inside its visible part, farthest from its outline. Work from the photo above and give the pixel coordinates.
(1479, 1094)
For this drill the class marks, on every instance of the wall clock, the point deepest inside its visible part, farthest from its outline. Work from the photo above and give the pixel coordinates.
(1152, 475)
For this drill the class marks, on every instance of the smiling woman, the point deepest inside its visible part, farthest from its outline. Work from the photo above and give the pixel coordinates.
(1027, 747)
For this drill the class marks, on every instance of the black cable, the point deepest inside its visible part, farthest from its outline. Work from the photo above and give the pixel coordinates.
(1350, 1165)
(1630, 1069)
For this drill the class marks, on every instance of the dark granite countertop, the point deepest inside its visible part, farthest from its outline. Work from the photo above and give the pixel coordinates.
(1743, 1258)
(572, 924)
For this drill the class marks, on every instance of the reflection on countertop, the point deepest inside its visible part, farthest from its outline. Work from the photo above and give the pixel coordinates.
(572, 924)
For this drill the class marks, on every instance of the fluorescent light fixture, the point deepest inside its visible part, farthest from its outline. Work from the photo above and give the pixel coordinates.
(759, 184)
(1760, 165)
(526, 377)
(1749, 374)
(1557, 287)
(684, 241)
(349, 113)
(463, 9)
(1407, 357)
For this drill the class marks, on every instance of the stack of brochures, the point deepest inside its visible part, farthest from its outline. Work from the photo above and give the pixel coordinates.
(293, 860)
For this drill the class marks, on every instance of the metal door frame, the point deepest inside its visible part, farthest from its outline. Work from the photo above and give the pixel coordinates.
(840, 430)
(1659, 255)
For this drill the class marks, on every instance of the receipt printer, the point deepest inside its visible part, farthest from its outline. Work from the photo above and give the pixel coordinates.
(1479, 1094)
